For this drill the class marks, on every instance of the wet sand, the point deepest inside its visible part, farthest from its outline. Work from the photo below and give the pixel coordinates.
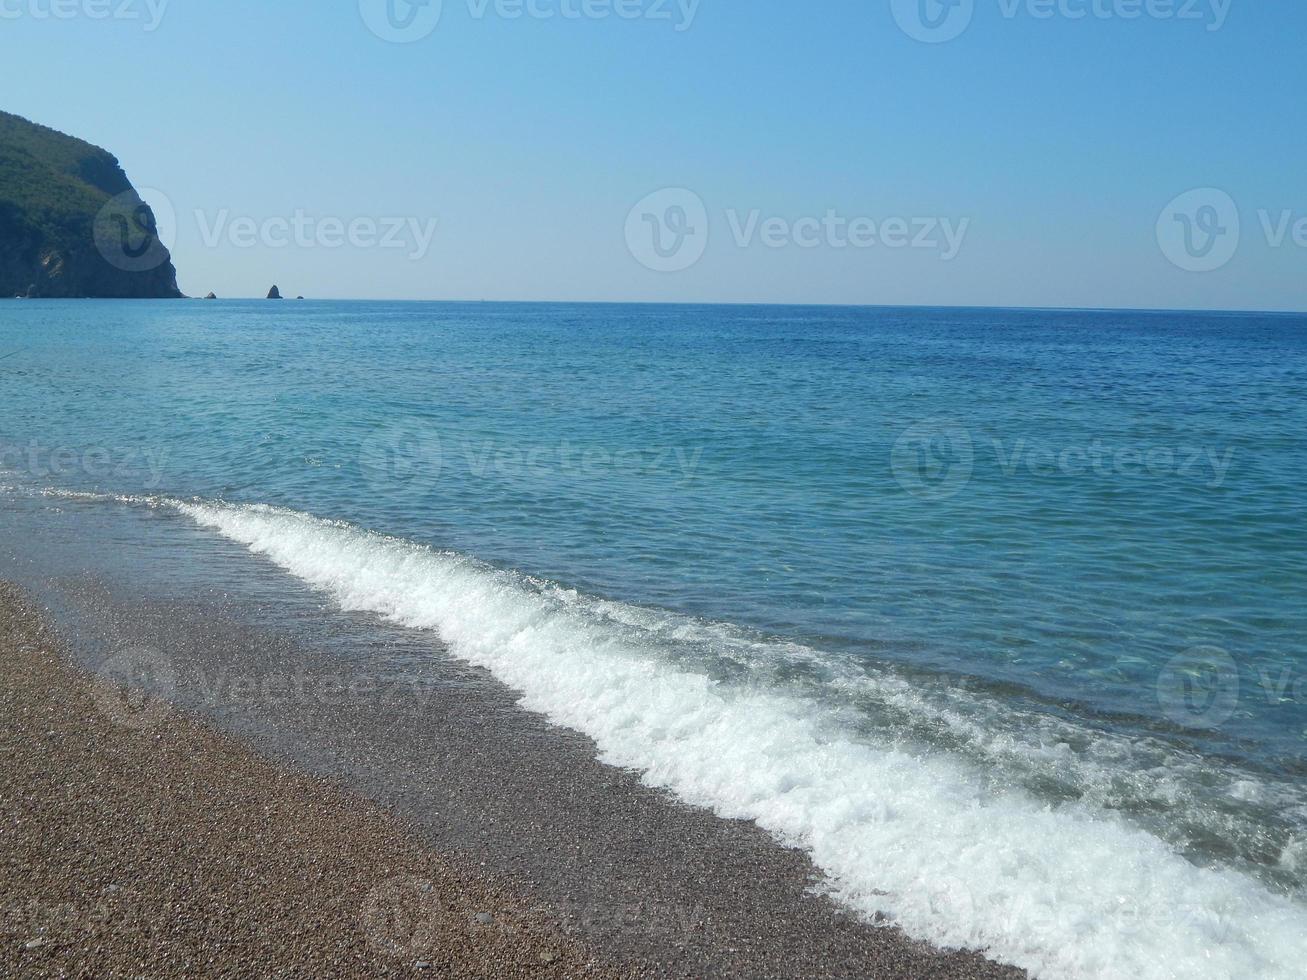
(287, 813)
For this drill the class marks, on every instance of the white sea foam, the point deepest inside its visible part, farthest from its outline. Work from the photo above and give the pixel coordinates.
(922, 838)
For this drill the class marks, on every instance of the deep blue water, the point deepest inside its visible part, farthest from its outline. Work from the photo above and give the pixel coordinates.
(1096, 520)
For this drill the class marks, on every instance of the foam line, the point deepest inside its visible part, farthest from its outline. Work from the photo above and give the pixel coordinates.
(1071, 891)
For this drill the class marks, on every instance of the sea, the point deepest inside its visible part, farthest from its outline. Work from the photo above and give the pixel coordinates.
(999, 615)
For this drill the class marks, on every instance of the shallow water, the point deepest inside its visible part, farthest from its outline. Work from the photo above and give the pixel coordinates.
(997, 613)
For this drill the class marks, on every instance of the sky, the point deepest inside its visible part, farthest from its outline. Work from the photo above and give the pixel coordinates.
(1046, 153)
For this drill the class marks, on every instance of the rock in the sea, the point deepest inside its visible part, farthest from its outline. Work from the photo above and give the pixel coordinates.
(274, 293)
(211, 296)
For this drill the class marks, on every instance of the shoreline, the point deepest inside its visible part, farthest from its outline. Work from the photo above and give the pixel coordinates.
(364, 799)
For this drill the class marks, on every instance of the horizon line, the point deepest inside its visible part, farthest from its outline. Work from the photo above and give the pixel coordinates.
(740, 303)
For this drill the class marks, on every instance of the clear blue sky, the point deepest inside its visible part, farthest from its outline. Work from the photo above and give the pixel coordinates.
(1060, 140)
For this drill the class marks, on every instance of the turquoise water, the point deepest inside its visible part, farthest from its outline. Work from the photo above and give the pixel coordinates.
(1060, 552)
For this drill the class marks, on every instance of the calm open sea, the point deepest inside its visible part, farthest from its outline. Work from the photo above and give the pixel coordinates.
(1001, 615)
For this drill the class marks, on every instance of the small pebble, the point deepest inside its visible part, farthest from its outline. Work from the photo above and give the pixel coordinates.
(485, 918)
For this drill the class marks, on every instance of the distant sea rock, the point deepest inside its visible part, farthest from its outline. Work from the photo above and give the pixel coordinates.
(274, 293)
(211, 296)
(71, 224)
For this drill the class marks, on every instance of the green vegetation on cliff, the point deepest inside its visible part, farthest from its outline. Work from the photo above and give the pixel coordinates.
(71, 224)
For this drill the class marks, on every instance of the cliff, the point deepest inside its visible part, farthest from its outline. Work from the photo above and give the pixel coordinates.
(71, 224)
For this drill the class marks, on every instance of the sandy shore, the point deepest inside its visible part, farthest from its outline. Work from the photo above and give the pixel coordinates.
(172, 851)
(290, 811)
